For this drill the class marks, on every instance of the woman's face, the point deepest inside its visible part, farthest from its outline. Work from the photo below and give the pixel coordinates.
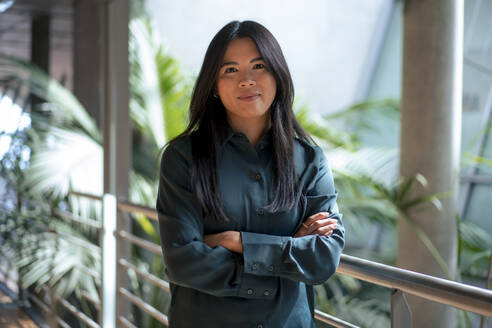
(245, 85)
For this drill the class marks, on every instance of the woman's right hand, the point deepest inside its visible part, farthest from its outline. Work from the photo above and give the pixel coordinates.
(317, 224)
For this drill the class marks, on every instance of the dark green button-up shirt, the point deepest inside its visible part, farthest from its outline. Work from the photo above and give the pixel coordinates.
(270, 284)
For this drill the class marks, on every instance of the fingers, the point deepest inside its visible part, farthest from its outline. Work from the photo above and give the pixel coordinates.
(315, 217)
(322, 226)
(321, 223)
(318, 224)
(326, 230)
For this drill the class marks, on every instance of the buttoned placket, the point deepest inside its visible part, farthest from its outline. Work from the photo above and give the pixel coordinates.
(242, 141)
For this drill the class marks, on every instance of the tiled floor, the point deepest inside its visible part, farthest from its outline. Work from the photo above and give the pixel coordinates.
(11, 316)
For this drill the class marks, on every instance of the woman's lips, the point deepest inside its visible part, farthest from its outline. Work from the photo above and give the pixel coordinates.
(249, 97)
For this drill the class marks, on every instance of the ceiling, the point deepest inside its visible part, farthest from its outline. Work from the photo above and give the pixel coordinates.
(15, 25)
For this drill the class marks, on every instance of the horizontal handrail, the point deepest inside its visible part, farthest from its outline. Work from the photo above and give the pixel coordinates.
(459, 295)
(148, 245)
(79, 314)
(162, 284)
(161, 317)
(85, 195)
(38, 302)
(124, 205)
(125, 322)
(69, 215)
(62, 323)
(90, 272)
(334, 321)
(66, 304)
(95, 301)
(46, 309)
(133, 208)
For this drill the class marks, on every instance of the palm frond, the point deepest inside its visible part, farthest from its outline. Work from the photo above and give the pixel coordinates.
(144, 82)
(475, 250)
(143, 191)
(69, 158)
(175, 92)
(47, 88)
(326, 134)
(49, 257)
(378, 164)
(384, 107)
(475, 237)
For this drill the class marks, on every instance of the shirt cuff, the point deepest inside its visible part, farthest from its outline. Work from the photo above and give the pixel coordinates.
(257, 287)
(261, 253)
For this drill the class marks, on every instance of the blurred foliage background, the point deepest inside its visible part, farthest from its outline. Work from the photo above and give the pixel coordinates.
(52, 153)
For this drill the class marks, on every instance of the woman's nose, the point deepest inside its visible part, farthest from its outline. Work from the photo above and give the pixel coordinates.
(247, 83)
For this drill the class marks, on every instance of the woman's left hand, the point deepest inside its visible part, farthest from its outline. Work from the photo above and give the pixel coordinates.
(228, 239)
(317, 224)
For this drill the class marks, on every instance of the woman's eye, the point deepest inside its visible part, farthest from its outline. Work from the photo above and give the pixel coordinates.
(259, 66)
(230, 70)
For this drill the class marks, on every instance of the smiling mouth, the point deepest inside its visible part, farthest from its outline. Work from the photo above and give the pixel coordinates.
(250, 97)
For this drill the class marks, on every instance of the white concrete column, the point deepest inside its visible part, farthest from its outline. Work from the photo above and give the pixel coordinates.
(430, 140)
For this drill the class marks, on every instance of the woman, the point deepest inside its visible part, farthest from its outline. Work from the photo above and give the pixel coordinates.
(247, 206)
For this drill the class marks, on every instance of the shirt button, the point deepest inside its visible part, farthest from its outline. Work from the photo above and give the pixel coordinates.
(258, 177)
(270, 268)
(261, 211)
(253, 267)
(250, 291)
(266, 293)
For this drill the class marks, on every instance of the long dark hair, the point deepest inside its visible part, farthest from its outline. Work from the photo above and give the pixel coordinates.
(208, 121)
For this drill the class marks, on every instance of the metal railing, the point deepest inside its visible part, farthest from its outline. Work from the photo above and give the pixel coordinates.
(458, 295)
(45, 299)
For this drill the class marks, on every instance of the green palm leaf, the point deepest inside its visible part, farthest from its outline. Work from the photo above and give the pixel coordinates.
(144, 82)
(64, 162)
(45, 87)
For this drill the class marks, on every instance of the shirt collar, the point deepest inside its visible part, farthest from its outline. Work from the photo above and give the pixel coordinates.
(264, 141)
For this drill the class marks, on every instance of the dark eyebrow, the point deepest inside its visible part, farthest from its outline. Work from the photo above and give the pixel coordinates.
(235, 63)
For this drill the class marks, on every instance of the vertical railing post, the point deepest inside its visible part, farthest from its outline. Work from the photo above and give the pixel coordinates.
(108, 266)
(117, 136)
(21, 295)
(100, 236)
(52, 298)
(401, 316)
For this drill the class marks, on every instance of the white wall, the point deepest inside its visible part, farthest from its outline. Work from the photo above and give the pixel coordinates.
(325, 41)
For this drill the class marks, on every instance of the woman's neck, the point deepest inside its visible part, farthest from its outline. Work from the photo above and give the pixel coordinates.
(253, 128)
